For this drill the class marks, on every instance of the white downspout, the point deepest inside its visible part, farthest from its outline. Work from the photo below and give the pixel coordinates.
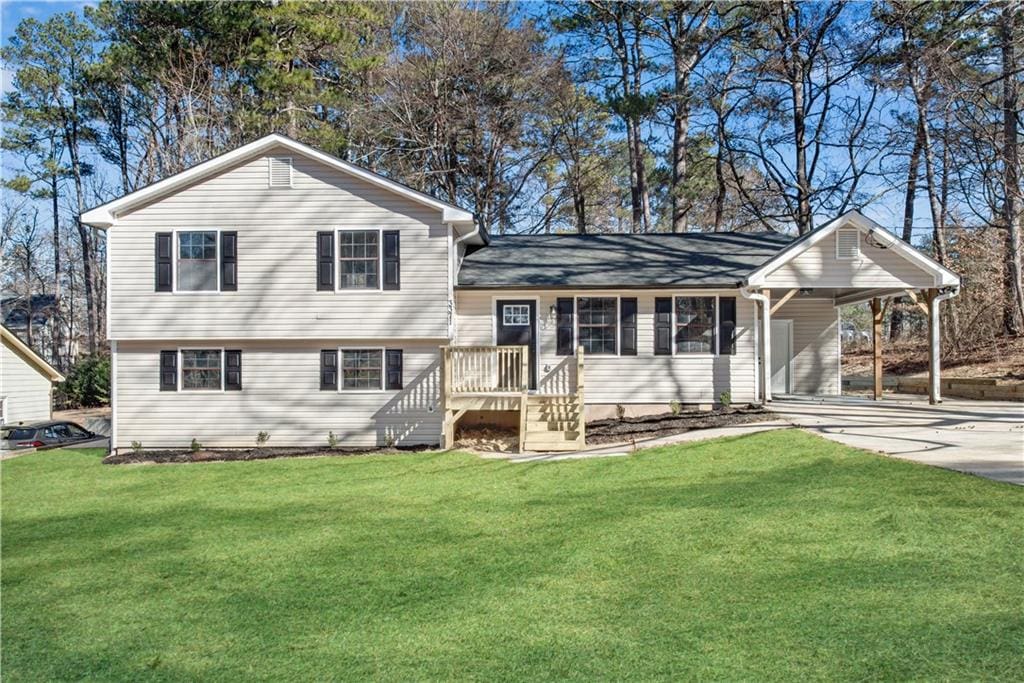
(453, 271)
(936, 342)
(766, 343)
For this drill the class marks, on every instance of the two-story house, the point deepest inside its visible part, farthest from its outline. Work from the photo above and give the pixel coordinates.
(276, 288)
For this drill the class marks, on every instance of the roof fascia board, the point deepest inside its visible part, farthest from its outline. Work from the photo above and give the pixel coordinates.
(943, 276)
(26, 350)
(103, 216)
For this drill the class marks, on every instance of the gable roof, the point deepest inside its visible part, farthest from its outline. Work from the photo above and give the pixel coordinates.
(103, 216)
(31, 356)
(650, 260)
(944, 277)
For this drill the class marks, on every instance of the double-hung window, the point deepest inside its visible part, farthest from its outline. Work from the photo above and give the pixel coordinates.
(197, 261)
(359, 257)
(362, 369)
(598, 324)
(202, 369)
(695, 324)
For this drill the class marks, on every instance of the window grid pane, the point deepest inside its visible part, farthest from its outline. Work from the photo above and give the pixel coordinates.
(361, 369)
(200, 369)
(597, 324)
(359, 253)
(695, 324)
(197, 261)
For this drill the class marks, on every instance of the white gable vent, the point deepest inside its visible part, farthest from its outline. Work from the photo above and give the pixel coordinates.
(847, 243)
(280, 171)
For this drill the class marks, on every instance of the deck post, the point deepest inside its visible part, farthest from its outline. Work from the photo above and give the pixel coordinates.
(876, 345)
(931, 297)
(446, 392)
(766, 345)
(581, 440)
(524, 385)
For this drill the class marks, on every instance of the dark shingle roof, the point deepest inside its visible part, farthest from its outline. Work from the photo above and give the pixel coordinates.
(695, 259)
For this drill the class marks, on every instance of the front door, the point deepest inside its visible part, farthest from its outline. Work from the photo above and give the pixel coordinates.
(516, 325)
(782, 356)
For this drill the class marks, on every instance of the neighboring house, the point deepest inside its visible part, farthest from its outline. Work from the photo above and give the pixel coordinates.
(15, 316)
(26, 382)
(276, 288)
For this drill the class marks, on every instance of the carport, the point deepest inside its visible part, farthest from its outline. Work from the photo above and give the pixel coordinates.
(849, 260)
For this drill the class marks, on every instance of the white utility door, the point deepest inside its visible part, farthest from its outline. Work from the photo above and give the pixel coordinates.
(782, 356)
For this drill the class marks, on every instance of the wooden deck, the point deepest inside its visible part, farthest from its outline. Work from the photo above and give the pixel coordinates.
(497, 378)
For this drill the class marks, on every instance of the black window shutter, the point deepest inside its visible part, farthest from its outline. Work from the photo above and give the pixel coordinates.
(394, 369)
(168, 371)
(329, 370)
(229, 261)
(325, 261)
(392, 260)
(663, 326)
(727, 325)
(232, 370)
(565, 309)
(627, 327)
(164, 261)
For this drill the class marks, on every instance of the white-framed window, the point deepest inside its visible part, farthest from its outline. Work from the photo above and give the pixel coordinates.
(279, 171)
(597, 324)
(515, 315)
(361, 370)
(196, 254)
(695, 324)
(201, 369)
(359, 259)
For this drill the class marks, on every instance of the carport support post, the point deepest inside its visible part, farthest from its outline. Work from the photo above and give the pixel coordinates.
(931, 296)
(766, 345)
(876, 341)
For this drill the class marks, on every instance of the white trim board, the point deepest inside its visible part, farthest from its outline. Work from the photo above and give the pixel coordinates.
(105, 215)
(942, 275)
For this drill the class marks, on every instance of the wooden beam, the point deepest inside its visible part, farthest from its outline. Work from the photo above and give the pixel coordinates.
(877, 313)
(785, 297)
(920, 304)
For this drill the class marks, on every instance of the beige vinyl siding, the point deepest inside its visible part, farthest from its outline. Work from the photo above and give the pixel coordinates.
(875, 268)
(815, 344)
(26, 391)
(277, 227)
(641, 379)
(280, 395)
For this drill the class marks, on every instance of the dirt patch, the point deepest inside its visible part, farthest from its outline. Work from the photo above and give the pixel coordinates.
(185, 456)
(1001, 358)
(652, 426)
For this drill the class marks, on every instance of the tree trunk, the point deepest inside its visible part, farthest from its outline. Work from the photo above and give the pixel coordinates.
(896, 317)
(680, 134)
(56, 317)
(1013, 296)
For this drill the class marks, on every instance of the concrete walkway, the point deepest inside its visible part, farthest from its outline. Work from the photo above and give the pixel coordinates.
(985, 438)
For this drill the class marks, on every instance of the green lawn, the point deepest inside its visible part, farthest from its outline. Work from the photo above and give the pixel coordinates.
(773, 556)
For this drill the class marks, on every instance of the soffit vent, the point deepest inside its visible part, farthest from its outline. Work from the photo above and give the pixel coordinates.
(280, 171)
(847, 243)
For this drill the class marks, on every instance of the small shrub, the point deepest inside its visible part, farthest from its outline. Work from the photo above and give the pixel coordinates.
(389, 441)
(137, 447)
(676, 407)
(332, 440)
(620, 411)
(87, 384)
(725, 398)
(195, 446)
(262, 438)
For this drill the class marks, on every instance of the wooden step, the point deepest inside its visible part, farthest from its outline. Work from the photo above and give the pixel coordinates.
(541, 426)
(552, 441)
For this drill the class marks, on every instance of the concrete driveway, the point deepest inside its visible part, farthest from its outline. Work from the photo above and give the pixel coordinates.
(985, 438)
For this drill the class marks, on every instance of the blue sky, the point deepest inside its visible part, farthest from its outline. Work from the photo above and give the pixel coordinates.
(887, 210)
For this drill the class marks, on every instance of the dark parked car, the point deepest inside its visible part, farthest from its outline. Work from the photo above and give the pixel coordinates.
(45, 434)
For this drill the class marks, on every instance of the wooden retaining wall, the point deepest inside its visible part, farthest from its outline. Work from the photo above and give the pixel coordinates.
(975, 388)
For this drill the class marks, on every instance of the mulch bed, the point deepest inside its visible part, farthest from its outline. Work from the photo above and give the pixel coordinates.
(183, 456)
(652, 426)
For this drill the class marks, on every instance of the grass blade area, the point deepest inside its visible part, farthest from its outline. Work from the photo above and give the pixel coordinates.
(770, 556)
